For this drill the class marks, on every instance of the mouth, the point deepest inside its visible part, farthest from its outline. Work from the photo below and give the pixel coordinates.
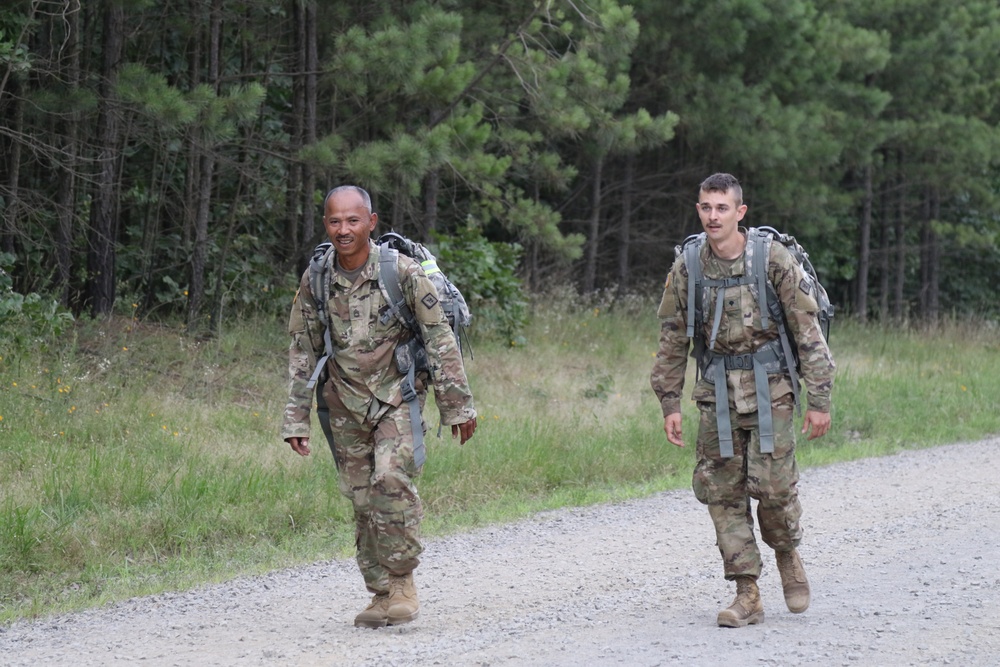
(344, 241)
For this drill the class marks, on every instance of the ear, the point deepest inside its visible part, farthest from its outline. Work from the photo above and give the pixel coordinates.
(741, 211)
(373, 221)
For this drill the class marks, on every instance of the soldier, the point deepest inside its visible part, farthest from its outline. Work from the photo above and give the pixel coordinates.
(373, 443)
(730, 472)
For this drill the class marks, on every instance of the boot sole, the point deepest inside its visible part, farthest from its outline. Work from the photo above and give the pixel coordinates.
(752, 619)
(400, 620)
(374, 623)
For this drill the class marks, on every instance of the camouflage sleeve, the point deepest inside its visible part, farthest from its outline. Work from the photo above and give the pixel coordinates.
(667, 377)
(302, 355)
(451, 386)
(797, 294)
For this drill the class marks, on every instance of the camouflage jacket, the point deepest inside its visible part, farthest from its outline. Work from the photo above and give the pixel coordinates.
(740, 332)
(362, 367)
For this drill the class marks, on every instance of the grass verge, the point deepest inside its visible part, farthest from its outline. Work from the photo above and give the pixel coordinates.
(137, 460)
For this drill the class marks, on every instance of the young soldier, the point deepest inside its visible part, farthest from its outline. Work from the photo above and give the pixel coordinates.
(373, 433)
(734, 463)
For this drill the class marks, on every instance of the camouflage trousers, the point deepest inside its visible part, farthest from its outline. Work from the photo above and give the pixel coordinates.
(376, 471)
(726, 485)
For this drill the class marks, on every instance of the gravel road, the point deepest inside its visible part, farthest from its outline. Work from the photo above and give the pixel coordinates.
(901, 553)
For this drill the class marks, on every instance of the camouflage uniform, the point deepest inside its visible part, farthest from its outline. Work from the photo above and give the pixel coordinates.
(727, 484)
(370, 422)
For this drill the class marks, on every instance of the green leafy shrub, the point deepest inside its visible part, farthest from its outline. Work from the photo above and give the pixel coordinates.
(486, 273)
(27, 319)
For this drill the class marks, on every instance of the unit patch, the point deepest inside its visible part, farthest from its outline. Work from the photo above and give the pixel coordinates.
(429, 301)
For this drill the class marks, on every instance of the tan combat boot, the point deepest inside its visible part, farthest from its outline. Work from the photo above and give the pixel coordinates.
(746, 609)
(402, 603)
(376, 614)
(793, 580)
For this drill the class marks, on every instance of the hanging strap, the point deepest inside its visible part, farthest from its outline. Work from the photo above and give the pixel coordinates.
(416, 419)
(319, 285)
(388, 279)
(722, 412)
(766, 360)
(321, 363)
(765, 425)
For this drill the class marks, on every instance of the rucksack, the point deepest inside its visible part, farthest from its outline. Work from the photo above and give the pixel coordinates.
(783, 355)
(410, 357)
(763, 237)
(452, 302)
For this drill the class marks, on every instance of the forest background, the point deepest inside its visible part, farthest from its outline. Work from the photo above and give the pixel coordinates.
(174, 154)
(164, 165)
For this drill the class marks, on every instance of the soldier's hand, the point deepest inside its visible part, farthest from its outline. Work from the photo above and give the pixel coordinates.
(299, 445)
(672, 427)
(465, 430)
(816, 423)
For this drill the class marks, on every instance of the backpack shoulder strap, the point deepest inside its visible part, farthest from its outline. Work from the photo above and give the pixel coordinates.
(388, 282)
(406, 354)
(761, 238)
(691, 249)
(319, 285)
(771, 305)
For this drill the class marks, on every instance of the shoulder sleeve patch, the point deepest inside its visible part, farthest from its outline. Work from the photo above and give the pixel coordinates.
(668, 303)
(429, 301)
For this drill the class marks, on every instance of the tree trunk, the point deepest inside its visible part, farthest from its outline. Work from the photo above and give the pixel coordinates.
(308, 172)
(8, 234)
(625, 231)
(235, 213)
(594, 228)
(864, 249)
(534, 280)
(898, 302)
(398, 196)
(883, 256)
(925, 246)
(104, 208)
(199, 254)
(66, 210)
(432, 183)
(312, 112)
(934, 261)
(296, 133)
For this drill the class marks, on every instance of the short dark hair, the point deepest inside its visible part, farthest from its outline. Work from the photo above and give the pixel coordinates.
(340, 188)
(723, 182)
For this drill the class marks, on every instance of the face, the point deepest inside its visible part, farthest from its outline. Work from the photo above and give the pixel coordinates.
(720, 215)
(349, 224)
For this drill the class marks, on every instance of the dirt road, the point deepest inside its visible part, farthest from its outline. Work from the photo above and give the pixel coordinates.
(901, 552)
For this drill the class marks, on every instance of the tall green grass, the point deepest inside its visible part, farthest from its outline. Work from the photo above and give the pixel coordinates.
(136, 459)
